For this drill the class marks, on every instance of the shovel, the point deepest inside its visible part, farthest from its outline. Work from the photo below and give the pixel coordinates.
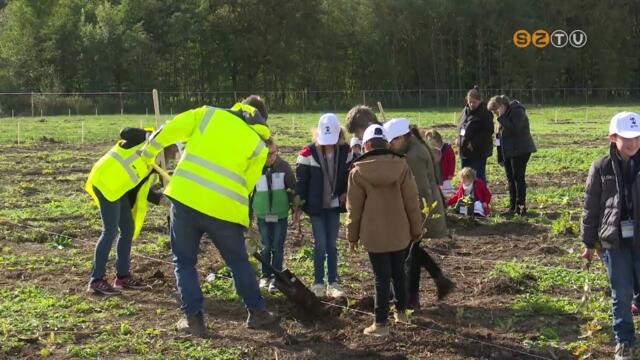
(293, 288)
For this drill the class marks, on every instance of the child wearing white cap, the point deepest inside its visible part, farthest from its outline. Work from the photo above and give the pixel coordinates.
(356, 147)
(610, 221)
(407, 140)
(384, 216)
(322, 169)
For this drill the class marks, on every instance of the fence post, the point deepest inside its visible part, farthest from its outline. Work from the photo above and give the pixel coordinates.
(364, 98)
(96, 111)
(41, 113)
(586, 114)
(69, 114)
(556, 115)
(82, 133)
(454, 118)
(33, 110)
(18, 132)
(420, 98)
(12, 114)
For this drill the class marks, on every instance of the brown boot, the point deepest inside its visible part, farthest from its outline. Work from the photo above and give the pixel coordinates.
(444, 286)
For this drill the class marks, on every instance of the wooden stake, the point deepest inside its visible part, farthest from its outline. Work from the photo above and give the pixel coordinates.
(156, 110)
(384, 118)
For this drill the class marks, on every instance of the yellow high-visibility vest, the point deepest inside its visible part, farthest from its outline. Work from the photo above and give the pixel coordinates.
(119, 171)
(222, 160)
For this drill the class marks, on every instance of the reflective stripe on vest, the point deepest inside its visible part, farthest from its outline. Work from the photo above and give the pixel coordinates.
(215, 168)
(211, 186)
(258, 149)
(155, 144)
(205, 119)
(125, 164)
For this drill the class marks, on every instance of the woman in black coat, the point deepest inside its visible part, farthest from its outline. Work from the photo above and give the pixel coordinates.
(475, 134)
(516, 145)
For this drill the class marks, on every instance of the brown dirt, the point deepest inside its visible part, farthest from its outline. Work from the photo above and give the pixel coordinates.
(474, 311)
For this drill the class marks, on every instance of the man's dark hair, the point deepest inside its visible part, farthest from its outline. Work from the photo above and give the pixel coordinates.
(377, 143)
(257, 102)
(360, 117)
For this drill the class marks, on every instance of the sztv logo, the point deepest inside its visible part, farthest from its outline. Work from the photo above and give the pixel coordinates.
(541, 38)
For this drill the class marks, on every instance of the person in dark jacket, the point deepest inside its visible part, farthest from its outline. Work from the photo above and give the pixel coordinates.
(516, 145)
(475, 134)
(611, 221)
(322, 174)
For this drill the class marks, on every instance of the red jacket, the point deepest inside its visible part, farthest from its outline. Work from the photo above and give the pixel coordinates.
(447, 162)
(480, 192)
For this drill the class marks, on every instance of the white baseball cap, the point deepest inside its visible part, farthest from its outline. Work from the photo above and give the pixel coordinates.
(374, 131)
(355, 141)
(328, 129)
(396, 128)
(625, 124)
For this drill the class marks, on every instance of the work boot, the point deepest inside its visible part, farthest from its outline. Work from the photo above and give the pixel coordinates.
(260, 319)
(444, 286)
(193, 324)
(413, 301)
(377, 330)
(624, 351)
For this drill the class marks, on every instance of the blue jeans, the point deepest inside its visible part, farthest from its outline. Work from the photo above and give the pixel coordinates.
(187, 227)
(272, 236)
(116, 214)
(325, 228)
(621, 265)
(479, 165)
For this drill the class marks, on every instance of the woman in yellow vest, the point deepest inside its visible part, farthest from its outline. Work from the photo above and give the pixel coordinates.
(119, 183)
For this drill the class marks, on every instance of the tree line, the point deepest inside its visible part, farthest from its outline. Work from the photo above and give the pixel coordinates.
(347, 45)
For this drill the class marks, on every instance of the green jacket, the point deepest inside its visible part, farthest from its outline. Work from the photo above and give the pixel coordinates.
(274, 190)
(422, 164)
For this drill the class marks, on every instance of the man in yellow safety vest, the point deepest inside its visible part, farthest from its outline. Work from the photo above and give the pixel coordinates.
(209, 191)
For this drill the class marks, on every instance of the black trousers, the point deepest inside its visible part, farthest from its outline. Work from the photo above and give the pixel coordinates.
(515, 169)
(386, 267)
(417, 259)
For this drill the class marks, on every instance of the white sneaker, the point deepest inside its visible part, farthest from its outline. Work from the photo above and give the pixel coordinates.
(264, 283)
(317, 290)
(272, 285)
(377, 330)
(335, 291)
